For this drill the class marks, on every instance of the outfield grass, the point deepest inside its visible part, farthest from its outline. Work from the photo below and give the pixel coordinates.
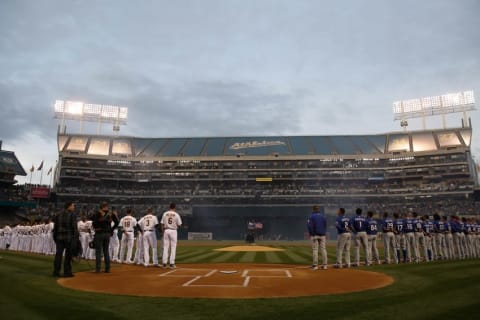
(448, 290)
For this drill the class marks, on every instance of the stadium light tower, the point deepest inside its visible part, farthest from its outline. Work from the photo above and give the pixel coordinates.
(431, 106)
(79, 111)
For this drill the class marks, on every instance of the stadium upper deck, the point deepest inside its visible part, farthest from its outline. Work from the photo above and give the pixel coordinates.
(214, 148)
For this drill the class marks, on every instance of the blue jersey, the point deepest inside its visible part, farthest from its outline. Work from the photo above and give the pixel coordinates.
(448, 227)
(428, 227)
(408, 225)
(387, 225)
(455, 227)
(342, 224)
(358, 224)
(317, 224)
(398, 226)
(439, 226)
(372, 227)
(418, 225)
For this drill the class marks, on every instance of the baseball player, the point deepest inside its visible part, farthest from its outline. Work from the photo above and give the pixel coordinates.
(358, 224)
(343, 240)
(139, 256)
(439, 243)
(449, 243)
(317, 228)
(467, 230)
(127, 225)
(428, 229)
(409, 234)
(170, 221)
(388, 238)
(372, 229)
(84, 234)
(148, 225)
(419, 237)
(399, 237)
(114, 245)
(457, 233)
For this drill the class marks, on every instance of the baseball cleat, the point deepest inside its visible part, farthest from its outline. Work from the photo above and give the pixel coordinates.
(172, 266)
(314, 267)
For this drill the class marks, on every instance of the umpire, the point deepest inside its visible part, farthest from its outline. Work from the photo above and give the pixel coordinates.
(102, 223)
(64, 234)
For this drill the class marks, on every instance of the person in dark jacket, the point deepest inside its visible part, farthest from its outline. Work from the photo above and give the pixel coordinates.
(317, 228)
(64, 234)
(104, 222)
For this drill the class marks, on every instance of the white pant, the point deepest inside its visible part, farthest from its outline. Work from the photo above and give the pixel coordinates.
(127, 242)
(319, 241)
(389, 243)
(114, 247)
(150, 240)
(411, 245)
(343, 248)
(372, 249)
(139, 250)
(169, 241)
(360, 238)
(84, 240)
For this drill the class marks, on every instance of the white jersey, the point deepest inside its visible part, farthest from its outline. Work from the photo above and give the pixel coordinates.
(148, 222)
(171, 220)
(128, 223)
(83, 227)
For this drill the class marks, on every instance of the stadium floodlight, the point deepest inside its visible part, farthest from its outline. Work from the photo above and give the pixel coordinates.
(437, 105)
(76, 110)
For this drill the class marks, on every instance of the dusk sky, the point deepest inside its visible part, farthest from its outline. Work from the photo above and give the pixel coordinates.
(230, 68)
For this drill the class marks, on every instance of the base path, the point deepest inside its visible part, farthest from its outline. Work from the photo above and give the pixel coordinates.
(227, 281)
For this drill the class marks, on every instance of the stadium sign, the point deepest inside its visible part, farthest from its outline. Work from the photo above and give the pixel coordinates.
(255, 144)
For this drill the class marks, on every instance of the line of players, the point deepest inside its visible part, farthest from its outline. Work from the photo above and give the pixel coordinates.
(142, 234)
(406, 238)
(35, 238)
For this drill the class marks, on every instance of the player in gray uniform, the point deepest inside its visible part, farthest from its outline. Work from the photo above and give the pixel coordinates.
(389, 238)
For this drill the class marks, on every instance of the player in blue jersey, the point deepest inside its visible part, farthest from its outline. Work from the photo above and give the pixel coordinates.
(399, 236)
(372, 230)
(428, 229)
(388, 238)
(419, 237)
(409, 234)
(317, 228)
(449, 243)
(440, 246)
(343, 240)
(457, 233)
(358, 224)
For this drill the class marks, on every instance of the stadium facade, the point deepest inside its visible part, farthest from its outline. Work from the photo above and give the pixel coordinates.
(220, 182)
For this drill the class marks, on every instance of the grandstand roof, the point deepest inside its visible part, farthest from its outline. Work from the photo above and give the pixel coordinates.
(416, 141)
(10, 164)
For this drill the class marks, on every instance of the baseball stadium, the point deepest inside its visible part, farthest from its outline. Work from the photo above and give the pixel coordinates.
(244, 250)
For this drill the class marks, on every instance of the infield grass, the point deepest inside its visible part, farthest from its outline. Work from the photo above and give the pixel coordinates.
(438, 290)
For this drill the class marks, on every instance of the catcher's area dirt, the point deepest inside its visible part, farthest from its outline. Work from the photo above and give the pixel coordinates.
(252, 248)
(227, 281)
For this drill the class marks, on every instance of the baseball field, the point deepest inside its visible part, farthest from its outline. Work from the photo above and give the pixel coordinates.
(443, 289)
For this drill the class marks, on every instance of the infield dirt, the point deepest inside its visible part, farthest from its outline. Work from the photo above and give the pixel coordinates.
(239, 280)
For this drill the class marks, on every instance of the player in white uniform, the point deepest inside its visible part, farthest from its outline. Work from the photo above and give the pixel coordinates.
(148, 225)
(84, 235)
(128, 224)
(170, 221)
(114, 245)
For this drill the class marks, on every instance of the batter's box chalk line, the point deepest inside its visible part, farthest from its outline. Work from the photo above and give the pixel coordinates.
(246, 275)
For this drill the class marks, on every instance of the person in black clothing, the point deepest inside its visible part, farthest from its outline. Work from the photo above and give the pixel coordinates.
(64, 234)
(102, 223)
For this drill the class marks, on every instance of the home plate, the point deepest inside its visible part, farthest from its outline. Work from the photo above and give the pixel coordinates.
(228, 271)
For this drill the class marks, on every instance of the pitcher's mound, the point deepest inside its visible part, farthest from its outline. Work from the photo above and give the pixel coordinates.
(249, 249)
(246, 281)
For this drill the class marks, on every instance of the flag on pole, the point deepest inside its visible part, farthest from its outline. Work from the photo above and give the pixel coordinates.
(40, 167)
(49, 171)
(32, 168)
